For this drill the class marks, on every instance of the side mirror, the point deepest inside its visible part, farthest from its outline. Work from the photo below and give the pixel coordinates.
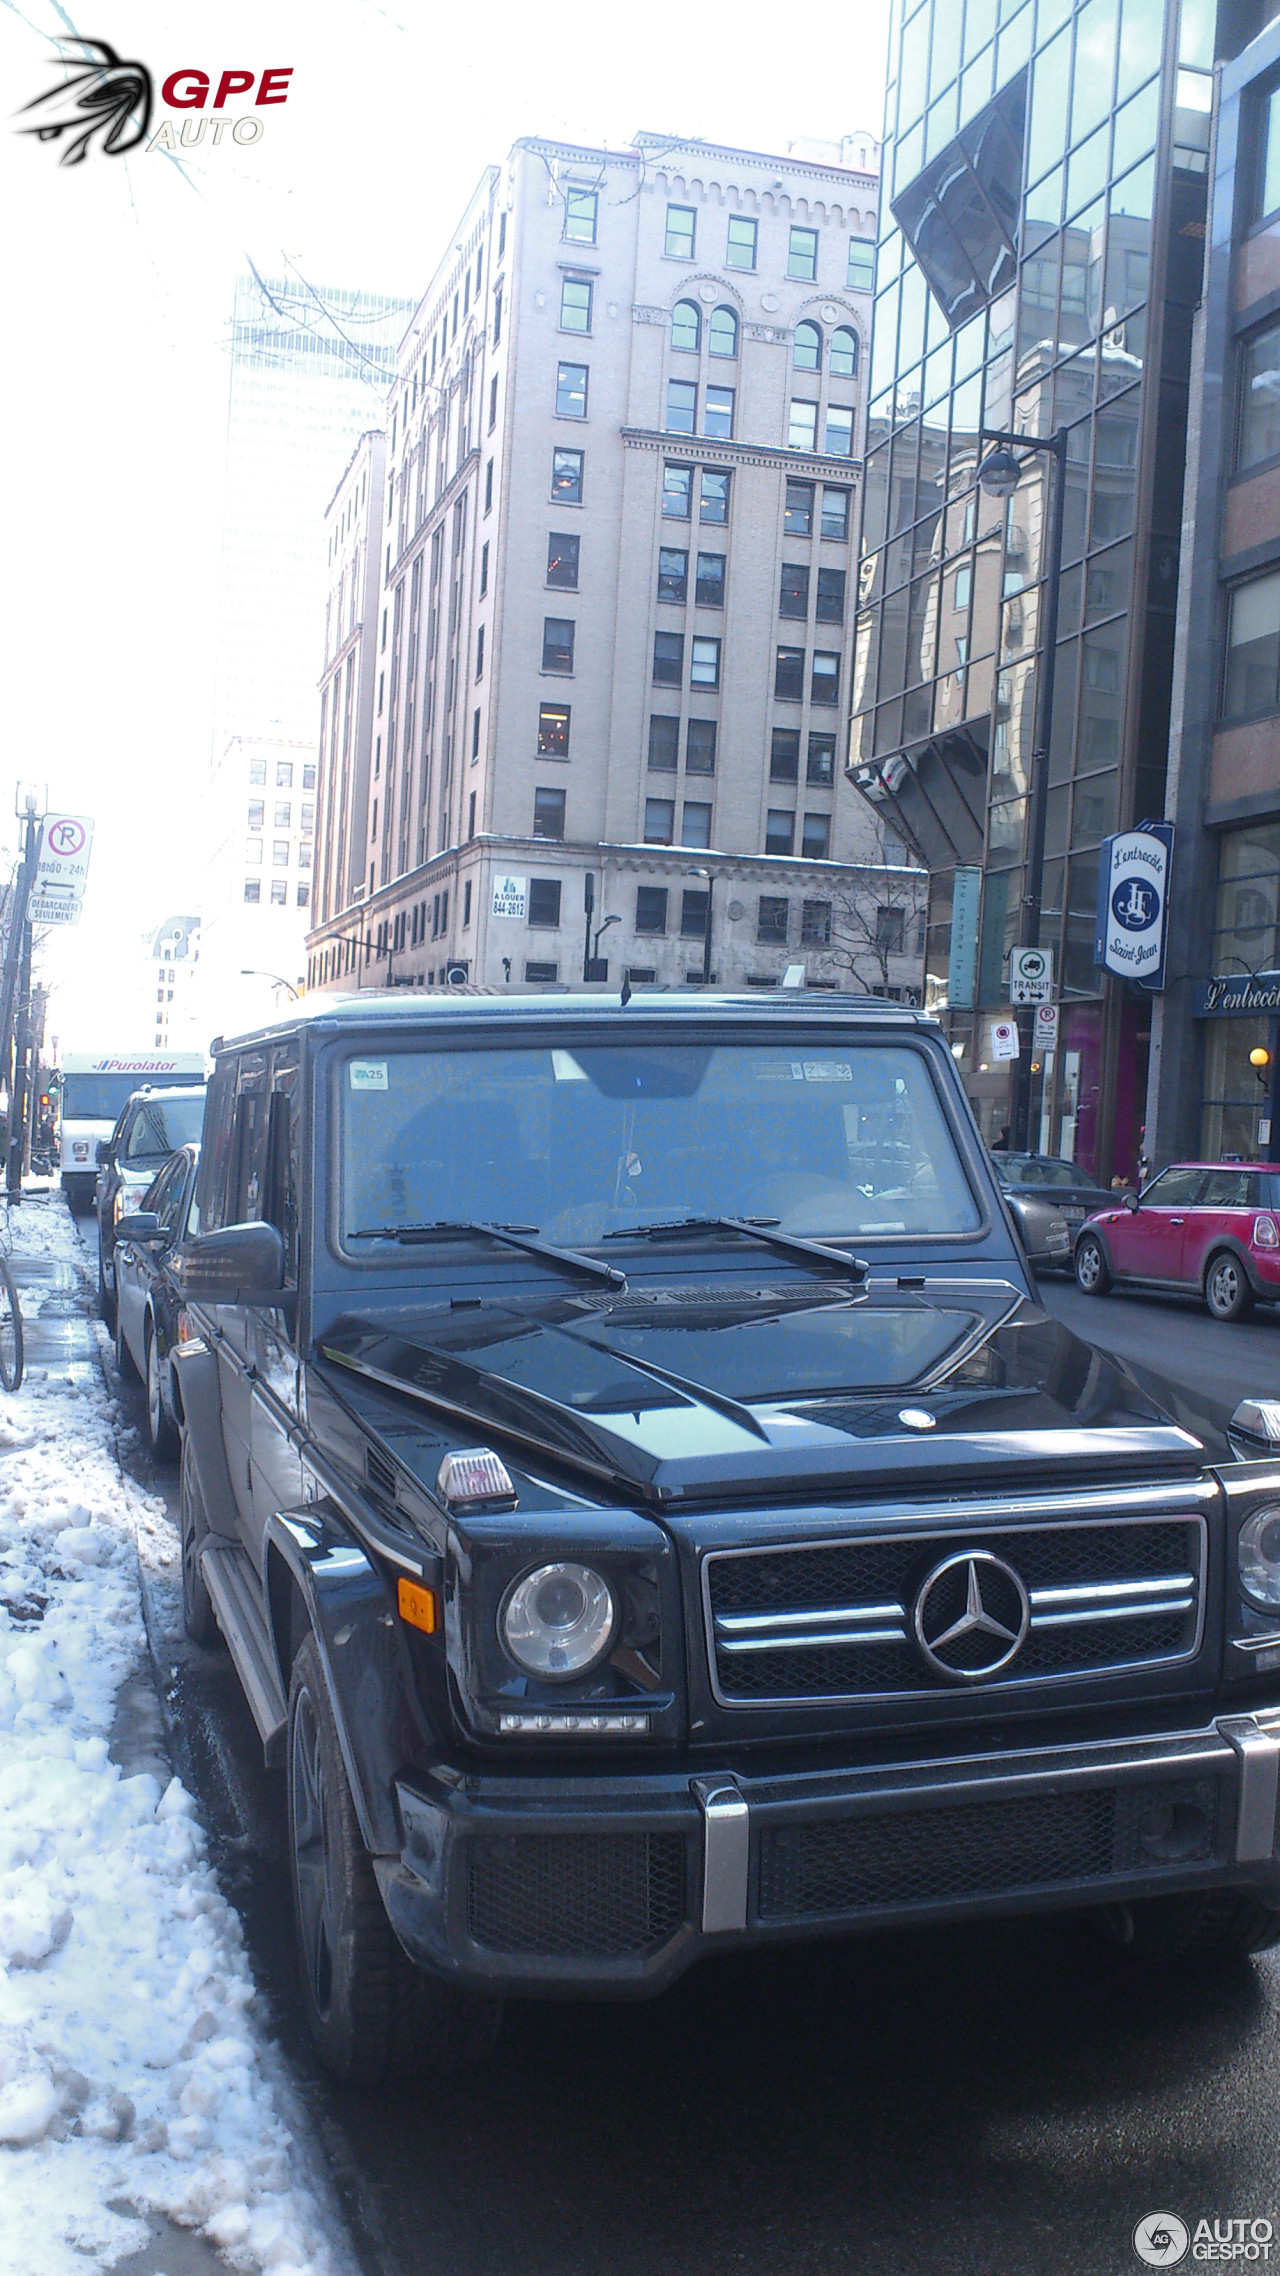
(1131, 1202)
(239, 1264)
(103, 1154)
(138, 1225)
(1254, 1428)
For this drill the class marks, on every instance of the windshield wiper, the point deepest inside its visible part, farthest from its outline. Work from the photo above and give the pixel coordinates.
(754, 1229)
(512, 1237)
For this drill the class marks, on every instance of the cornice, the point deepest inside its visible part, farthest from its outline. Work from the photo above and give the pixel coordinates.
(703, 449)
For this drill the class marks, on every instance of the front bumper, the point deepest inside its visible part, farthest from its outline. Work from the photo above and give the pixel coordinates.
(613, 1886)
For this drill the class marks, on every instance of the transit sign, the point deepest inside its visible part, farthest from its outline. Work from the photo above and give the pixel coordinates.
(1030, 975)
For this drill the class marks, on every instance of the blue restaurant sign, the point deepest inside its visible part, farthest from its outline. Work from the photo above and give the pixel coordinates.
(1231, 995)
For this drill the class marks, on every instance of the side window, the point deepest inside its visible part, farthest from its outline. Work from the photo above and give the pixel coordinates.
(215, 1153)
(280, 1203)
(164, 1195)
(247, 1187)
(1174, 1189)
(1227, 1189)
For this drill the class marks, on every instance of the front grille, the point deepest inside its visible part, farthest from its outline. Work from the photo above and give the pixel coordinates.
(603, 1896)
(978, 1849)
(835, 1621)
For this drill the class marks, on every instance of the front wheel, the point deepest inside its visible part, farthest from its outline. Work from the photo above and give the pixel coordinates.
(1228, 1291)
(1093, 1273)
(372, 2015)
(106, 1284)
(198, 1616)
(161, 1429)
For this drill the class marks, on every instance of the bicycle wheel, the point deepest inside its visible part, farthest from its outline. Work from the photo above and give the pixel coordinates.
(11, 1346)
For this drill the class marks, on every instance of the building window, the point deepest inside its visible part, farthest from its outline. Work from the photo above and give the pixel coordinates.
(891, 930)
(793, 590)
(802, 254)
(541, 974)
(708, 589)
(797, 514)
(484, 568)
(466, 903)
(557, 644)
(700, 746)
(1268, 119)
(806, 350)
(771, 919)
(1259, 432)
(820, 761)
(677, 490)
(815, 842)
(717, 414)
(740, 248)
(659, 821)
(566, 476)
(779, 831)
(303, 896)
(308, 778)
(1253, 649)
(304, 855)
(257, 772)
(548, 814)
(256, 812)
(253, 890)
(695, 824)
(682, 406)
(279, 892)
(553, 730)
(686, 327)
(651, 908)
(280, 853)
(802, 426)
(493, 402)
(475, 753)
(838, 441)
(682, 226)
(824, 686)
(480, 652)
(788, 675)
(693, 913)
(575, 305)
(580, 208)
(713, 500)
(497, 316)
(488, 486)
(784, 755)
(722, 333)
(562, 560)
(704, 668)
(544, 900)
(844, 353)
(861, 273)
(815, 924)
(829, 607)
(664, 742)
(284, 774)
(960, 215)
(668, 659)
(571, 391)
(835, 514)
(308, 819)
(673, 574)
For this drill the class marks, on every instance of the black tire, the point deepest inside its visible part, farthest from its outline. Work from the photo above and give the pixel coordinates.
(106, 1283)
(371, 2013)
(162, 1433)
(126, 1364)
(1093, 1273)
(12, 1349)
(198, 1616)
(1208, 1921)
(1228, 1290)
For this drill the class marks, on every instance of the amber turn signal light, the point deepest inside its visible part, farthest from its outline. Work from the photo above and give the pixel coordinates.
(417, 1605)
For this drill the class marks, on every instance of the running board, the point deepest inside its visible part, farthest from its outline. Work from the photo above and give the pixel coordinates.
(228, 1576)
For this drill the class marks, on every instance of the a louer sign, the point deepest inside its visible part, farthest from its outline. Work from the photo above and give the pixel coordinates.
(1133, 896)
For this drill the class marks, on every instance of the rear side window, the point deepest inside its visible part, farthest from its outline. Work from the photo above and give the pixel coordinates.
(248, 1178)
(283, 1177)
(1228, 1189)
(215, 1156)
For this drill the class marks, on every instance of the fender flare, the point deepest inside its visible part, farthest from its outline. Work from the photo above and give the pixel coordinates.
(202, 1426)
(1227, 1243)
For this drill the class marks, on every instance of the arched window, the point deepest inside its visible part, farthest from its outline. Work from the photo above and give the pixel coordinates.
(806, 355)
(722, 333)
(844, 353)
(686, 326)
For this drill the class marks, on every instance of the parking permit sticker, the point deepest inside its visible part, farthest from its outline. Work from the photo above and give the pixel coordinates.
(821, 1071)
(367, 1074)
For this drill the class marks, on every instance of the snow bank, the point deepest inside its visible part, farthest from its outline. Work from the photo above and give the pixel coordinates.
(132, 2072)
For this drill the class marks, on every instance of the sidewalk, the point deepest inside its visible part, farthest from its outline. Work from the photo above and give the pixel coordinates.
(144, 2121)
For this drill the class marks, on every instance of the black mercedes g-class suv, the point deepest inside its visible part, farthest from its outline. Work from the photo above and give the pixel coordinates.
(651, 1513)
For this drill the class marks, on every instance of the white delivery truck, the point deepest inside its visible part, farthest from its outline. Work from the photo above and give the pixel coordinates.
(94, 1088)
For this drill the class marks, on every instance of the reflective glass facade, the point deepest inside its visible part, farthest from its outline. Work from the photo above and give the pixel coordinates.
(1039, 264)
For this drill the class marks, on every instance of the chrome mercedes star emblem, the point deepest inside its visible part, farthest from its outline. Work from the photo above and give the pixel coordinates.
(917, 1418)
(971, 1616)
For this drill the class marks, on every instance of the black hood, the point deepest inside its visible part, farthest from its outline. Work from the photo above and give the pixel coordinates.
(682, 1395)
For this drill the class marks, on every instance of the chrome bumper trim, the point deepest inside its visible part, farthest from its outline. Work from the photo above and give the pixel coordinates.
(1258, 1753)
(726, 1855)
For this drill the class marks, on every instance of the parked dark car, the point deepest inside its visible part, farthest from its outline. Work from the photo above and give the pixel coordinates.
(651, 1514)
(147, 1304)
(1046, 1235)
(1209, 1229)
(150, 1126)
(1048, 1178)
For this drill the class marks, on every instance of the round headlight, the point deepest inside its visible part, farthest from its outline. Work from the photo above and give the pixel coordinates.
(559, 1621)
(1259, 1554)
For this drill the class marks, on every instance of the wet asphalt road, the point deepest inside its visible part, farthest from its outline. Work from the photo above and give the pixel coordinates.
(1003, 2098)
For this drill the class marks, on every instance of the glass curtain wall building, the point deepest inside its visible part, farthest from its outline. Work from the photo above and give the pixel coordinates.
(1038, 269)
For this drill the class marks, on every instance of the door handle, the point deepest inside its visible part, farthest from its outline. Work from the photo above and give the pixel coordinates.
(1177, 1220)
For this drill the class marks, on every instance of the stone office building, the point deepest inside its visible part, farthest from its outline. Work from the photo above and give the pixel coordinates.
(591, 618)
(1039, 268)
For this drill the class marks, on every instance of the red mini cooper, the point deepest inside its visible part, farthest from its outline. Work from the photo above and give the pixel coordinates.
(1208, 1227)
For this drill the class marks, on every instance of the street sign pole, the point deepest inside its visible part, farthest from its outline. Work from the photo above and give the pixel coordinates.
(14, 955)
(21, 1086)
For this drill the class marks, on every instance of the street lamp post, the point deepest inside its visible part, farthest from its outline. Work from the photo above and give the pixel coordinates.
(1000, 474)
(255, 972)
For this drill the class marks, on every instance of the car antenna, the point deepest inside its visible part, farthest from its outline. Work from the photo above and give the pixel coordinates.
(626, 990)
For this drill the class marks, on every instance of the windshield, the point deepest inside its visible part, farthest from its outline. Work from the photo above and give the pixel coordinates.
(1039, 1170)
(848, 1139)
(161, 1126)
(100, 1098)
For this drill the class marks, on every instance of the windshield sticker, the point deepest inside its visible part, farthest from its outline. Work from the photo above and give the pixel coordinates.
(367, 1074)
(565, 1068)
(821, 1071)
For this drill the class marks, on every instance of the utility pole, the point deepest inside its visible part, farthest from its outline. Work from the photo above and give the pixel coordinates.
(16, 980)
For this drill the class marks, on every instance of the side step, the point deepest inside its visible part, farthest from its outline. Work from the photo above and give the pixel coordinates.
(228, 1576)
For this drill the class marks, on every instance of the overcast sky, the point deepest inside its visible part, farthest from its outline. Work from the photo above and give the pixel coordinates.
(117, 282)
